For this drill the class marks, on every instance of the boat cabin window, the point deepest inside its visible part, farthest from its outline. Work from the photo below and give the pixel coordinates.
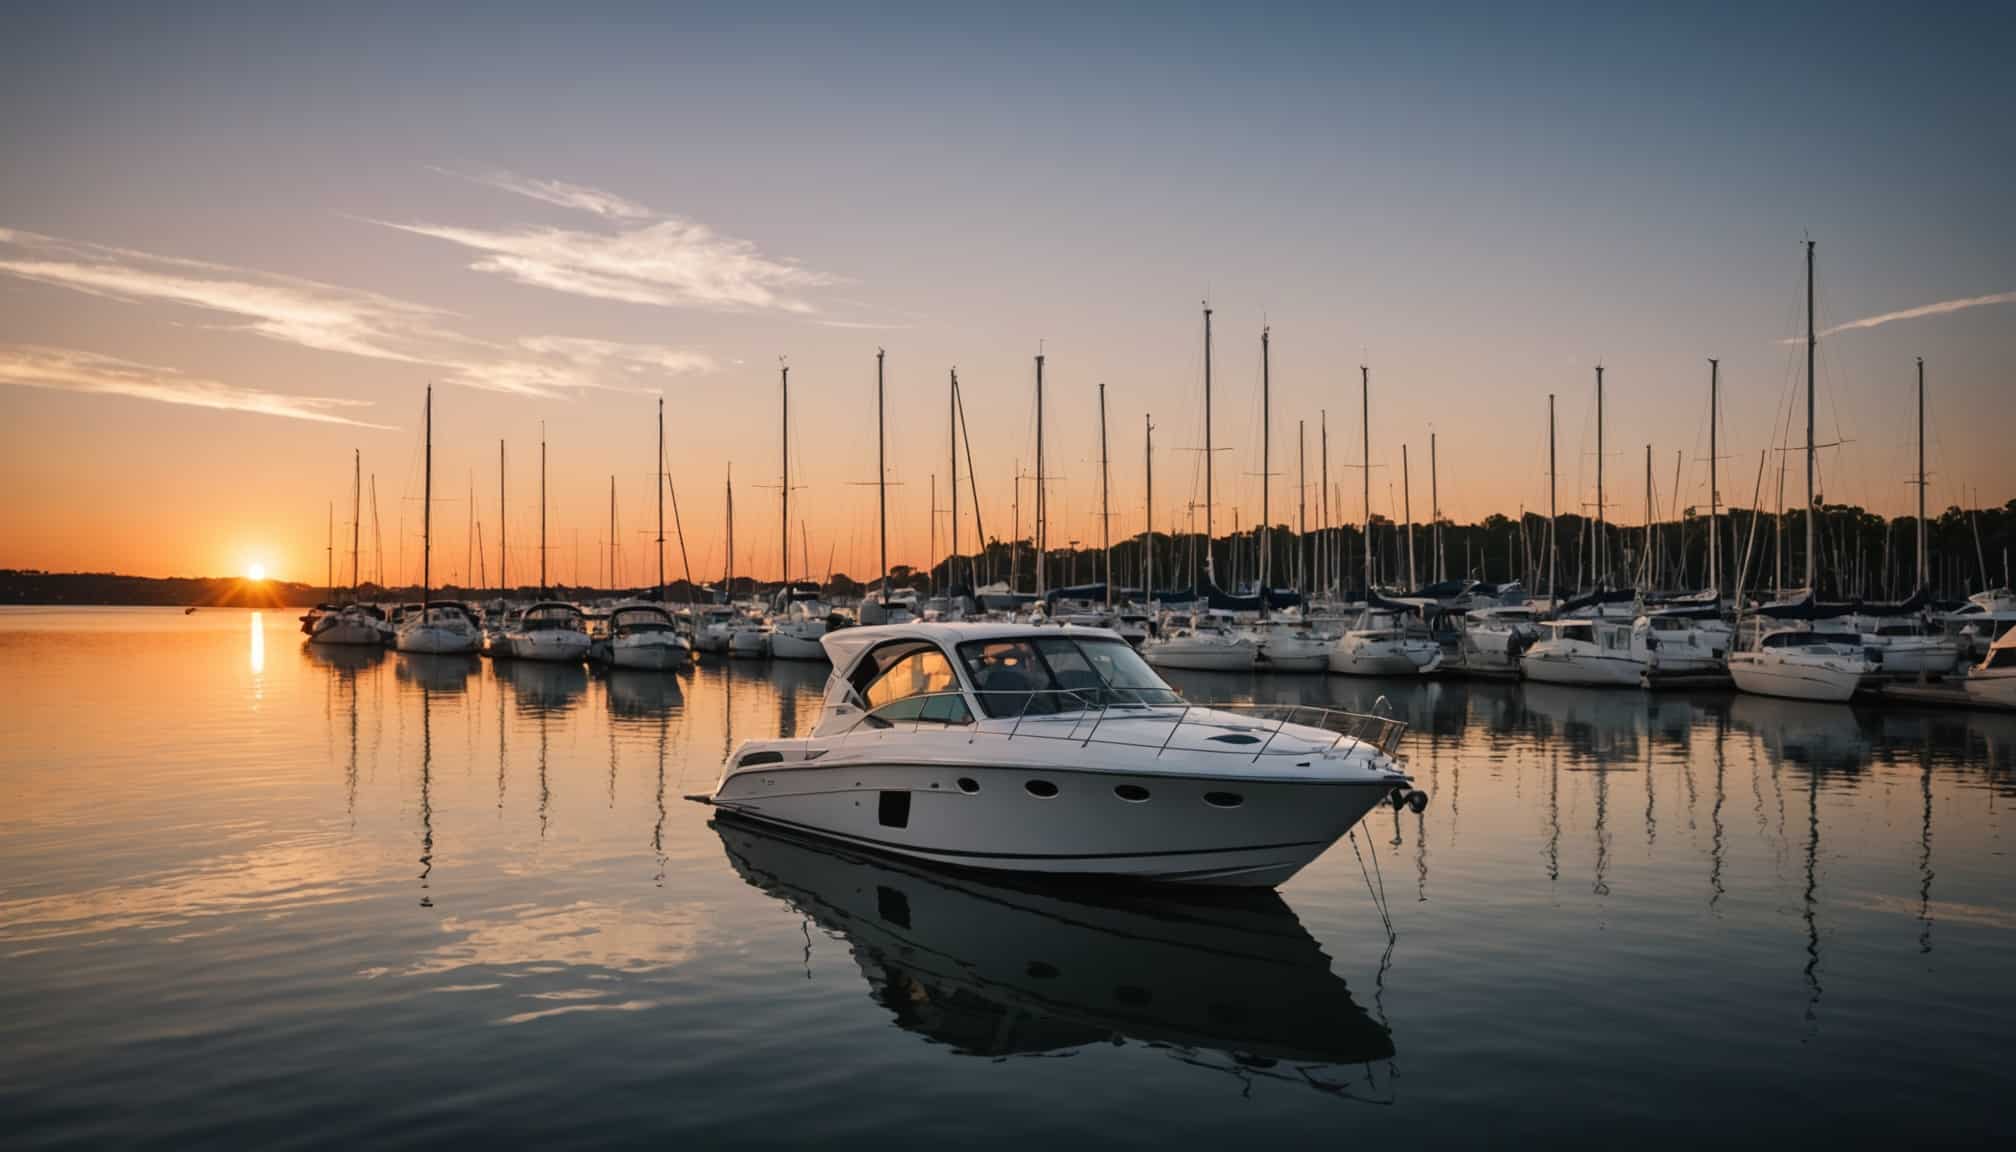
(910, 681)
(1583, 632)
(1668, 624)
(1052, 674)
(2000, 658)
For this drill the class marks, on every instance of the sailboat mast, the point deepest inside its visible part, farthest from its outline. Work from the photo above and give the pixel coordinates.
(1301, 502)
(1435, 509)
(1921, 472)
(882, 476)
(1324, 572)
(1553, 515)
(784, 512)
(1407, 512)
(1266, 467)
(729, 591)
(1105, 505)
(503, 584)
(357, 511)
(1714, 493)
(611, 574)
(1598, 565)
(329, 551)
(542, 507)
(659, 486)
(1646, 560)
(1812, 347)
(1042, 528)
(952, 428)
(1210, 570)
(1148, 521)
(1365, 402)
(427, 508)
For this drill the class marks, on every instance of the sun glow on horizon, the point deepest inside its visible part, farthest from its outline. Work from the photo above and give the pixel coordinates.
(255, 571)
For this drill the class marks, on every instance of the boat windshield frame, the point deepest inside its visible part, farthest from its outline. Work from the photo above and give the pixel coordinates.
(1052, 695)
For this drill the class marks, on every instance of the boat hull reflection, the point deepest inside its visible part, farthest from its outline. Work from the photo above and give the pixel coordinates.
(992, 967)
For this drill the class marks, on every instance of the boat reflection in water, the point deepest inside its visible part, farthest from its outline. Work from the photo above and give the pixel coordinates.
(545, 686)
(436, 673)
(996, 968)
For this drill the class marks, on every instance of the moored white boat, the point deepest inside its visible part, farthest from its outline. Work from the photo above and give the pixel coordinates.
(1060, 752)
(1379, 643)
(550, 630)
(1288, 645)
(356, 625)
(1199, 644)
(1681, 642)
(645, 636)
(442, 628)
(1591, 653)
(1801, 664)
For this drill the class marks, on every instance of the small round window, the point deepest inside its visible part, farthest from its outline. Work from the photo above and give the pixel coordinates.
(1224, 799)
(968, 785)
(1041, 789)
(1132, 793)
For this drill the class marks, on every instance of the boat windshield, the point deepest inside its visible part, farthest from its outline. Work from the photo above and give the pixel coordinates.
(1046, 675)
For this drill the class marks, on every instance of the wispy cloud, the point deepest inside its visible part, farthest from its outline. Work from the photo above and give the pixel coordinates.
(291, 310)
(68, 370)
(642, 256)
(329, 318)
(559, 193)
(1940, 308)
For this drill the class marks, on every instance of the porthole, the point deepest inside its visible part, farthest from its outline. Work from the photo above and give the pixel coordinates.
(968, 785)
(1224, 799)
(1132, 793)
(1041, 789)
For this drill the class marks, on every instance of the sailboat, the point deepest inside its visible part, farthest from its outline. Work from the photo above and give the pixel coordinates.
(551, 630)
(1285, 644)
(799, 615)
(644, 635)
(1384, 640)
(1796, 660)
(356, 624)
(439, 627)
(1200, 642)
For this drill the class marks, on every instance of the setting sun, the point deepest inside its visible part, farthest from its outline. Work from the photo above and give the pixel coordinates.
(256, 572)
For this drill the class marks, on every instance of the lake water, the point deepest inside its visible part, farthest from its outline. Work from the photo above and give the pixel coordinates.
(252, 894)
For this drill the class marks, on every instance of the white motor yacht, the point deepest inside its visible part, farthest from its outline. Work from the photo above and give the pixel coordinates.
(1060, 752)
(644, 636)
(1681, 642)
(1290, 645)
(1491, 639)
(1380, 643)
(550, 630)
(747, 636)
(1802, 664)
(354, 625)
(1199, 644)
(1993, 681)
(1592, 653)
(1910, 646)
(441, 627)
(799, 619)
(1977, 624)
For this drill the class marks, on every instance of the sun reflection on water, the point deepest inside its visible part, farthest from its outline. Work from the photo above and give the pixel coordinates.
(258, 643)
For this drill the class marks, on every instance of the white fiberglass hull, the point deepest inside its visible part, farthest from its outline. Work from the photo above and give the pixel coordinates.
(1291, 653)
(561, 645)
(351, 633)
(1353, 657)
(1766, 675)
(1084, 829)
(790, 644)
(1915, 656)
(1586, 669)
(434, 640)
(1184, 655)
(655, 652)
(749, 643)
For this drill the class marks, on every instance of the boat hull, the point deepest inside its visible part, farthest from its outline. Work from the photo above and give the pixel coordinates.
(437, 641)
(1994, 691)
(560, 645)
(1382, 658)
(1793, 681)
(1084, 829)
(788, 645)
(1589, 671)
(654, 657)
(1201, 657)
(350, 633)
(749, 644)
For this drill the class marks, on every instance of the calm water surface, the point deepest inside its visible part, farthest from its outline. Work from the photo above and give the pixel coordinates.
(252, 894)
